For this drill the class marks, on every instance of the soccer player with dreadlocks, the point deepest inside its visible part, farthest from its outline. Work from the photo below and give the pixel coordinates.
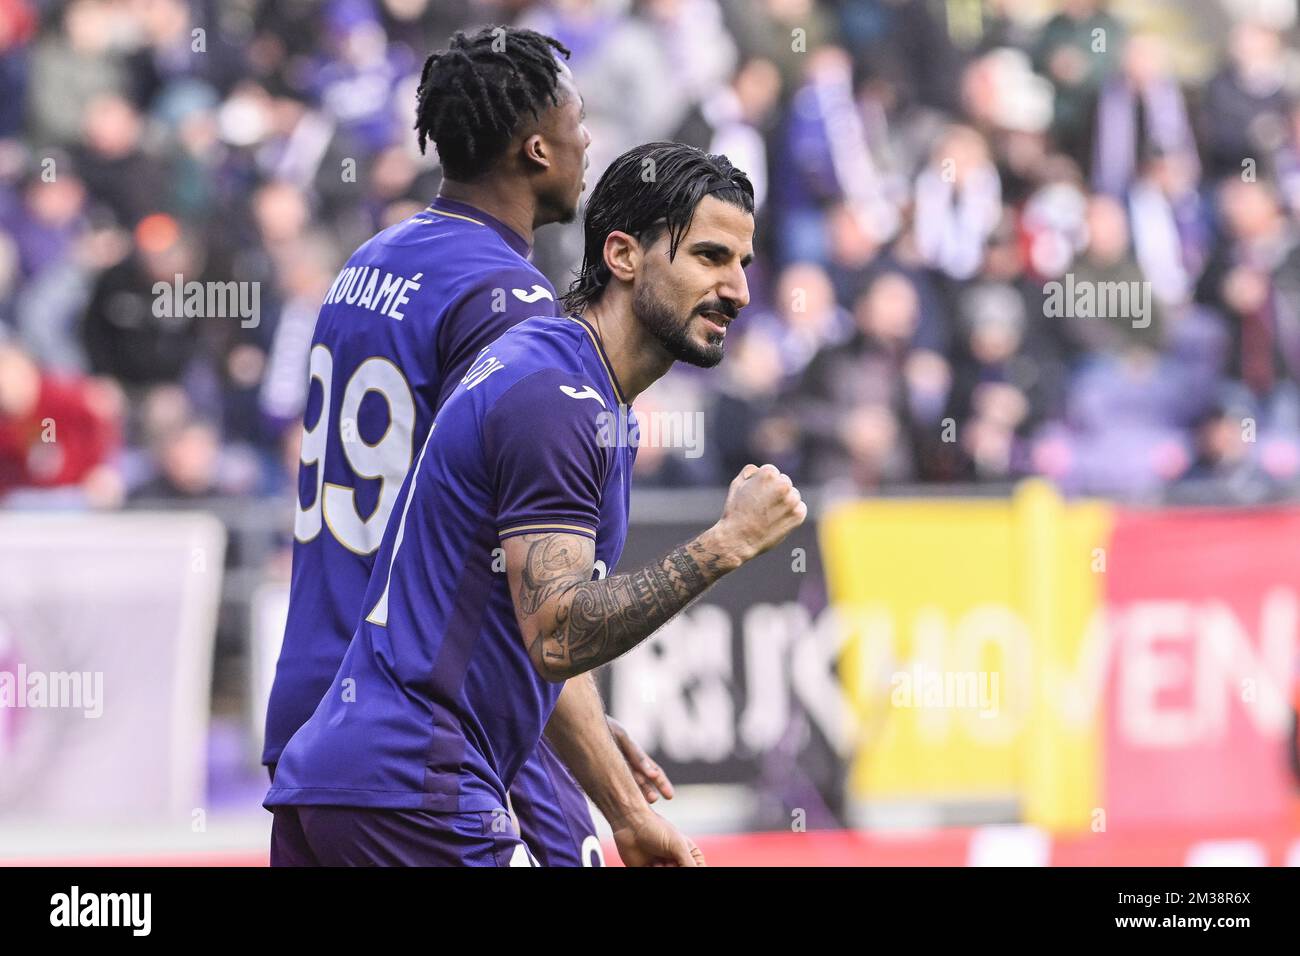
(399, 327)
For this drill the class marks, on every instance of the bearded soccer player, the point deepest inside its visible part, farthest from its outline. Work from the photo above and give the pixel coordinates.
(400, 325)
(456, 672)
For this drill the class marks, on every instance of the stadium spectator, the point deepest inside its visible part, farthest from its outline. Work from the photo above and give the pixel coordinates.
(57, 432)
(187, 463)
(1171, 227)
(807, 317)
(937, 169)
(73, 62)
(120, 174)
(1115, 319)
(733, 117)
(958, 203)
(1140, 110)
(853, 398)
(1240, 281)
(125, 335)
(1077, 51)
(1246, 105)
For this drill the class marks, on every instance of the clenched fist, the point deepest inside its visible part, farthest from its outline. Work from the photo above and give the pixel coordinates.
(763, 506)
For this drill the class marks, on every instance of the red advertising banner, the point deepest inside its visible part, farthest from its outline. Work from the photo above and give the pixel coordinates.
(1202, 614)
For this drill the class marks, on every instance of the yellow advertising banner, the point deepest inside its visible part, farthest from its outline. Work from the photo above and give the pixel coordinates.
(966, 648)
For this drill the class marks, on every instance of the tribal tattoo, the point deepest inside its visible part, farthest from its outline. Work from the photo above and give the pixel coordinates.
(596, 621)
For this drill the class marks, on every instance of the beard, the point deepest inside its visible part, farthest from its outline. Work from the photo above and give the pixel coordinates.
(674, 333)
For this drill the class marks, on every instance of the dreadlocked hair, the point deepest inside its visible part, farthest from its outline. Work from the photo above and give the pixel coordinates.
(474, 95)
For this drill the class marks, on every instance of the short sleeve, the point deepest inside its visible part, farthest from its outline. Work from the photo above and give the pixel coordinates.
(497, 302)
(543, 439)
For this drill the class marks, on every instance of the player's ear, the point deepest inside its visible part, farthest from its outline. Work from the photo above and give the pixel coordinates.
(622, 255)
(536, 151)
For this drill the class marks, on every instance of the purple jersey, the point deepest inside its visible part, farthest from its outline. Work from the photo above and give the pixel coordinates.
(401, 323)
(436, 704)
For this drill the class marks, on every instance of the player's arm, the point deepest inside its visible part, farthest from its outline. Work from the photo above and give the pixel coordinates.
(649, 776)
(571, 624)
(580, 734)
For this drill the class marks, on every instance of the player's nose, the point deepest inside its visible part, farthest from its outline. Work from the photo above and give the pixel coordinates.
(735, 287)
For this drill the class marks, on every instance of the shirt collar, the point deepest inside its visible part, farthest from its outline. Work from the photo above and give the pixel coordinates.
(461, 210)
(619, 395)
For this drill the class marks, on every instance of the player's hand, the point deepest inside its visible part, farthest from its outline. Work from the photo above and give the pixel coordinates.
(647, 839)
(649, 776)
(763, 506)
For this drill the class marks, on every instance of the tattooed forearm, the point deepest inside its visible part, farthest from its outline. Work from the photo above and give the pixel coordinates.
(555, 562)
(592, 622)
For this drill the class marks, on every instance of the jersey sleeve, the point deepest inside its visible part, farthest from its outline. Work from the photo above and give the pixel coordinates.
(546, 456)
(496, 301)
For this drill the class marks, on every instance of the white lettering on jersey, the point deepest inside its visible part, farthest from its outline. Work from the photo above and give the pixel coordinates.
(483, 366)
(538, 292)
(363, 288)
(587, 392)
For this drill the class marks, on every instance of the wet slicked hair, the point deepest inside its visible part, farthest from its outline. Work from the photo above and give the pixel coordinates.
(649, 189)
(473, 98)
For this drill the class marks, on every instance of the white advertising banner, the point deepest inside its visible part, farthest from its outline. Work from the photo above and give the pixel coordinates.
(107, 625)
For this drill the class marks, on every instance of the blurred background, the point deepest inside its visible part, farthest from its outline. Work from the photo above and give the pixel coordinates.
(1048, 606)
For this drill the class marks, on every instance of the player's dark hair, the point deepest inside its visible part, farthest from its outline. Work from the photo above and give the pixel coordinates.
(648, 189)
(474, 95)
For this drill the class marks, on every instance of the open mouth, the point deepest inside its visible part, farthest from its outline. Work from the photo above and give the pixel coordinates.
(717, 320)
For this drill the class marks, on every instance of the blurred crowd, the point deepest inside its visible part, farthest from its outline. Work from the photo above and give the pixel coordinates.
(929, 178)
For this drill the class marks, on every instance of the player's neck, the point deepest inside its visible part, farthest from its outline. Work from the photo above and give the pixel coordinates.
(507, 204)
(637, 357)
